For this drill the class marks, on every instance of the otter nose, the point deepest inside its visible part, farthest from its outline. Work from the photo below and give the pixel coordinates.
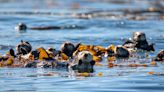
(85, 55)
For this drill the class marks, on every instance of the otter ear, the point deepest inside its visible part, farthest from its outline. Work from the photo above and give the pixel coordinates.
(80, 62)
(92, 62)
(27, 42)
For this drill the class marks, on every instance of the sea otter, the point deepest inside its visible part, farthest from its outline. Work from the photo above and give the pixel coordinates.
(83, 62)
(23, 26)
(139, 41)
(23, 47)
(118, 51)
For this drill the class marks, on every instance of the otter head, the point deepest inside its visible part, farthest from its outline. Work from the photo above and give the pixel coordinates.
(23, 48)
(83, 62)
(141, 42)
(121, 52)
(21, 26)
(68, 48)
(139, 36)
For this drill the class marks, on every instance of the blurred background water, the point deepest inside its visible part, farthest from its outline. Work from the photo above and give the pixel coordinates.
(100, 30)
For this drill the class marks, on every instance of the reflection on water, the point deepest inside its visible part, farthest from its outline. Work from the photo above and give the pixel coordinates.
(101, 28)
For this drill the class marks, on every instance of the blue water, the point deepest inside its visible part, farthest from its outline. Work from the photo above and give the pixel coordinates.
(98, 31)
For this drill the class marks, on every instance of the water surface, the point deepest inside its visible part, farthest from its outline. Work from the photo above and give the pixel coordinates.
(100, 30)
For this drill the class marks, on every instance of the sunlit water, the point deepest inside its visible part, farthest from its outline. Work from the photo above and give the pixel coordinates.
(98, 31)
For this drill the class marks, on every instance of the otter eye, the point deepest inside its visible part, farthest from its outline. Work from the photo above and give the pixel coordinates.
(80, 62)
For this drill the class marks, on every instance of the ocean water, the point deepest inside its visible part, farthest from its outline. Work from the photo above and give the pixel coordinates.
(99, 30)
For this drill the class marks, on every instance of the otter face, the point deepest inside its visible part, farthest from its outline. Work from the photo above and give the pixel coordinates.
(68, 48)
(21, 26)
(139, 36)
(83, 62)
(85, 56)
(122, 52)
(24, 48)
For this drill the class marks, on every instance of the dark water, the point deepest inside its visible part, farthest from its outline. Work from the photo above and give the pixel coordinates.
(100, 30)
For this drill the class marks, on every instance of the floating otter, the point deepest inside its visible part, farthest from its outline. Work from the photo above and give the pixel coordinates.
(23, 47)
(22, 26)
(118, 51)
(83, 62)
(139, 42)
